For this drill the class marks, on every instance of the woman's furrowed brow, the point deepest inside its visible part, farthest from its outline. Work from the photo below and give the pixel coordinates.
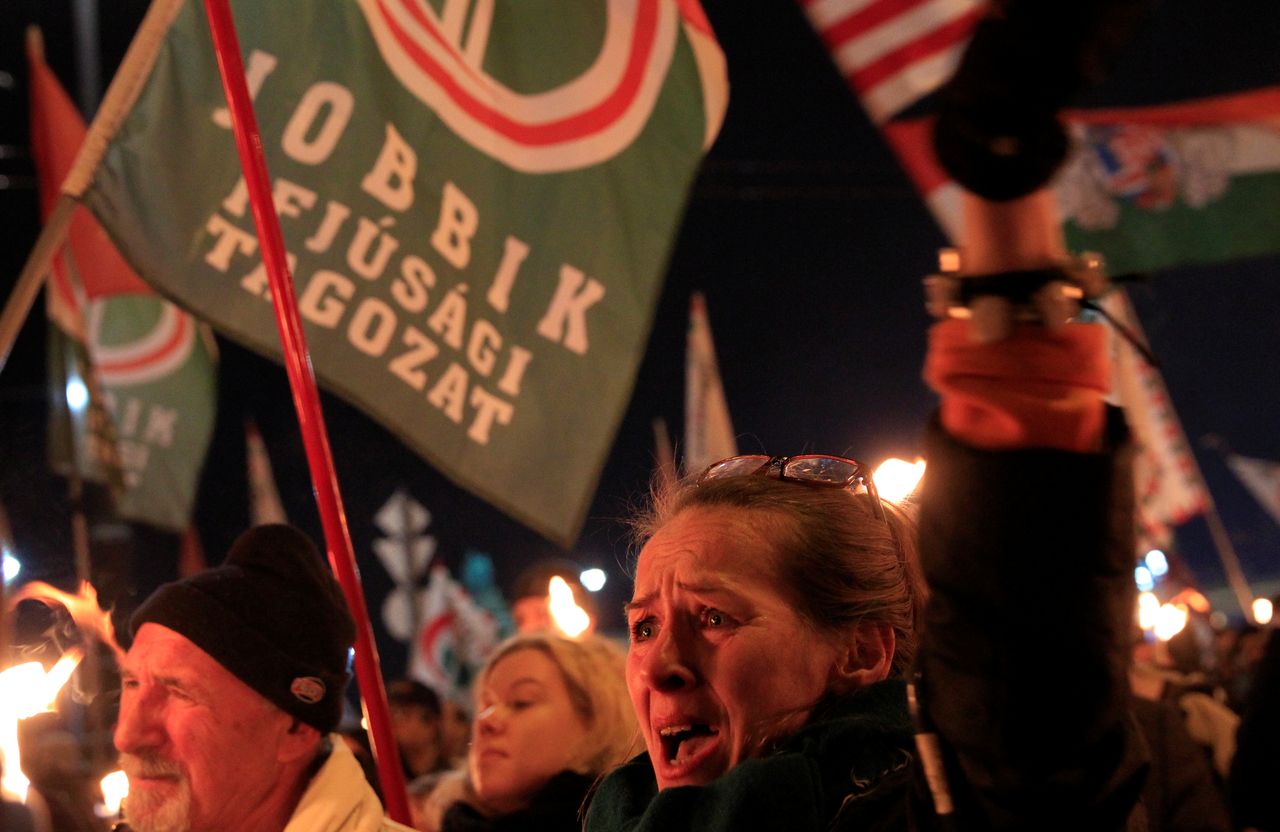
(693, 589)
(641, 601)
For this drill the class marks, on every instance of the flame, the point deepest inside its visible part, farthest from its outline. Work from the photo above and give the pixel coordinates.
(569, 618)
(82, 606)
(1148, 607)
(26, 690)
(1263, 609)
(896, 478)
(1170, 620)
(115, 788)
(1193, 598)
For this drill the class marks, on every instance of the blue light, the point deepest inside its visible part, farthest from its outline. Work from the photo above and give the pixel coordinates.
(77, 394)
(11, 567)
(1157, 563)
(1142, 577)
(593, 579)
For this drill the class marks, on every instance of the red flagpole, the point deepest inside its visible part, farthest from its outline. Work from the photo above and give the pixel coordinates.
(306, 401)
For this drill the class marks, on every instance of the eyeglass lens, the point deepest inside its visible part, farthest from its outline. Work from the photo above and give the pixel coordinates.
(738, 466)
(826, 469)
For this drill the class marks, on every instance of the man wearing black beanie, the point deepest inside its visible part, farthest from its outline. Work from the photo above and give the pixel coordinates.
(232, 684)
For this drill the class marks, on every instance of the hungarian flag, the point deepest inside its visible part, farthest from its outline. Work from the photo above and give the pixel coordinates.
(132, 375)
(1150, 187)
(478, 201)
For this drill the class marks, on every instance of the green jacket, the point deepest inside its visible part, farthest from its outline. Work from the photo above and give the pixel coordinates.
(853, 759)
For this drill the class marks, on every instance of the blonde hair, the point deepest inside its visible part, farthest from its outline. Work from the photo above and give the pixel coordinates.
(594, 671)
(836, 562)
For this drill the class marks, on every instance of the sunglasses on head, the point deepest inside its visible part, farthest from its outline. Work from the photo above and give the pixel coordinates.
(811, 469)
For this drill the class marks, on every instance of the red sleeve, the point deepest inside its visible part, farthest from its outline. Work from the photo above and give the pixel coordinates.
(1035, 389)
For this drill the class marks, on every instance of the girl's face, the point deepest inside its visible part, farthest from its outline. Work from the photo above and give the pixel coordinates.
(527, 730)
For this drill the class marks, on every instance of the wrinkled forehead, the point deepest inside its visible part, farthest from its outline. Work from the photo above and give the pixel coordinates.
(162, 655)
(710, 544)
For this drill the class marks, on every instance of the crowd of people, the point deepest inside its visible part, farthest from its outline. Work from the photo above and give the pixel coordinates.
(803, 654)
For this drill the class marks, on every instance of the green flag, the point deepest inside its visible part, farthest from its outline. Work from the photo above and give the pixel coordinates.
(81, 435)
(157, 367)
(478, 201)
(131, 376)
(134, 405)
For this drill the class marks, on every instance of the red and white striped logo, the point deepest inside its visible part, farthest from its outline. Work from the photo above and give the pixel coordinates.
(582, 122)
(150, 356)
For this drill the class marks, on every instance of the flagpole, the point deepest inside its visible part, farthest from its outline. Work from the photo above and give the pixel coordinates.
(1227, 555)
(306, 400)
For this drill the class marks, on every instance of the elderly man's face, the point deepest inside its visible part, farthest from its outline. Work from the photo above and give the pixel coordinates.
(200, 747)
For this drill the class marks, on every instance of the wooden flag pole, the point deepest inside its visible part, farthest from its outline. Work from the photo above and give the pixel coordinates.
(306, 400)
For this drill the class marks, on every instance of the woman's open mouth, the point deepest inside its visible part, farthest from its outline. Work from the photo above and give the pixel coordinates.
(686, 748)
(681, 742)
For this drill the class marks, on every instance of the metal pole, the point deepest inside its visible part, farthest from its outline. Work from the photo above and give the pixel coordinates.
(1227, 554)
(84, 15)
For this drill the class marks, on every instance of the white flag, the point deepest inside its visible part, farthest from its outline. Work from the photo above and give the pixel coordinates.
(708, 433)
(664, 461)
(264, 498)
(1262, 478)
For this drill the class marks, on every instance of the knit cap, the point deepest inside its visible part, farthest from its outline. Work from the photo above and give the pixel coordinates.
(273, 615)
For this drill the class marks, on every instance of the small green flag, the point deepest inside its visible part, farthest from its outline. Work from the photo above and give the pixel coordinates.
(131, 375)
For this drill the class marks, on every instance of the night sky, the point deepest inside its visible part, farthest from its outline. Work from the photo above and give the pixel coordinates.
(809, 245)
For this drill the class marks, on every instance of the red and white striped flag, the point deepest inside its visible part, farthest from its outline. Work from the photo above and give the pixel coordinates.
(894, 52)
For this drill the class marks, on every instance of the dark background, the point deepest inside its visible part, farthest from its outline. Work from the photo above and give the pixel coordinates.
(809, 244)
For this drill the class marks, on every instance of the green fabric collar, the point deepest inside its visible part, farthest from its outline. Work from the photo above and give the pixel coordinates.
(848, 746)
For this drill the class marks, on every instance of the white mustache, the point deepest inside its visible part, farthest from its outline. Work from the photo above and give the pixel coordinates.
(149, 766)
